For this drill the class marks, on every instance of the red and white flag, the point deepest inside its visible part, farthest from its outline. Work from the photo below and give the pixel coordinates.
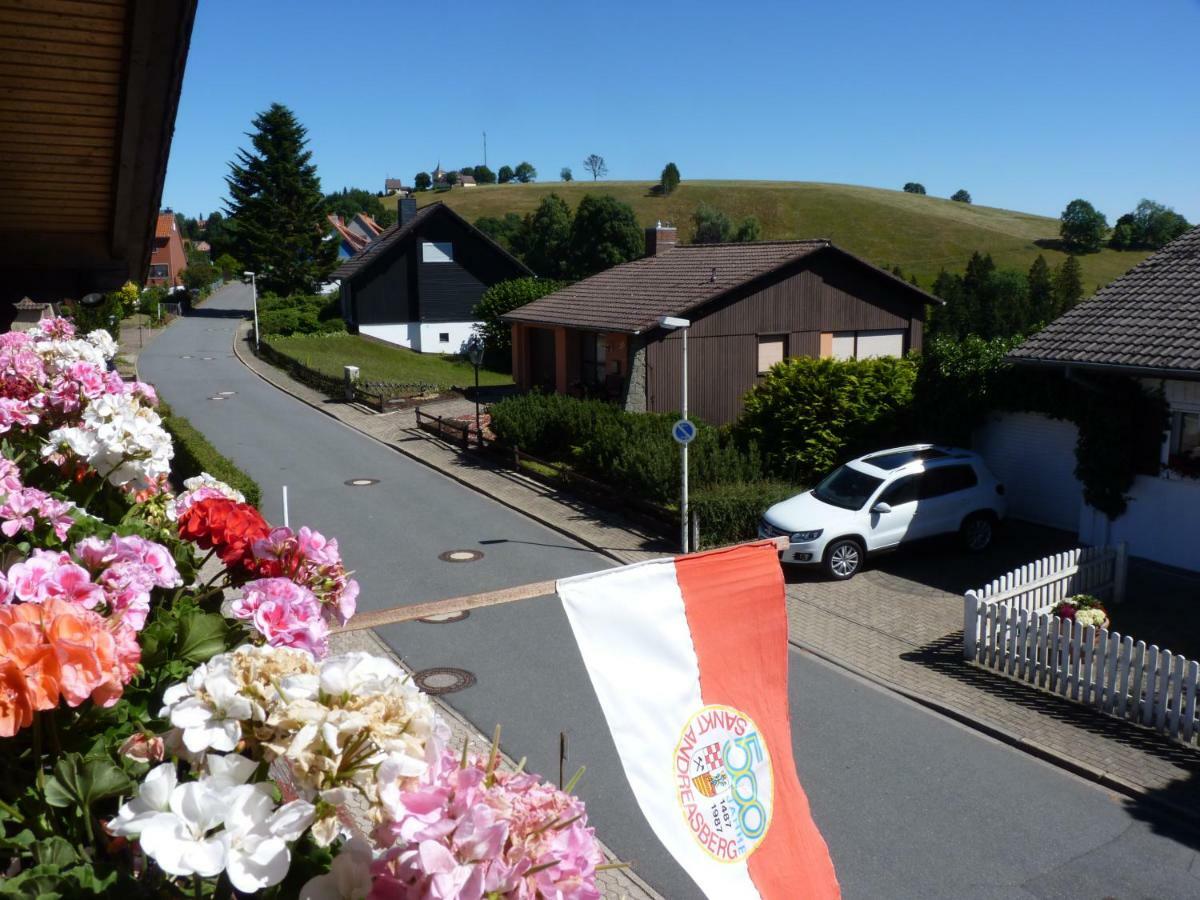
(689, 659)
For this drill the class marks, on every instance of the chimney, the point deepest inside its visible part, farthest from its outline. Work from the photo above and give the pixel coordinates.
(406, 208)
(660, 239)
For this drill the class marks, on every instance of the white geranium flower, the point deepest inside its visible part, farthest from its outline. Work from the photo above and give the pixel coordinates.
(103, 342)
(257, 858)
(153, 799)
(291, 820)
(359, 673)
(230, 770)
(179, 841)
(214, 722)
(349, 878)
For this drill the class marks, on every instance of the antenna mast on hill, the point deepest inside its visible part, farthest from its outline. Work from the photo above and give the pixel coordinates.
(485, 149)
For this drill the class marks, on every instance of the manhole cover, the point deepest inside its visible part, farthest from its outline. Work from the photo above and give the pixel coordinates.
(361, 482)
(445, 618)
(226, 393)
(443, 680)
(218, 397)
(460, 556)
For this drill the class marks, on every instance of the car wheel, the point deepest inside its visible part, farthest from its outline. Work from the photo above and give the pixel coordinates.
(977, 532)
(843, 559)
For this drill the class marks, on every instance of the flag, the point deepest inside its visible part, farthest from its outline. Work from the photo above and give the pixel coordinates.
(689, 659)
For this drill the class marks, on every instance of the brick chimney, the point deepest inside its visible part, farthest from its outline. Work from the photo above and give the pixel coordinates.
(406, 208)
(660, 239)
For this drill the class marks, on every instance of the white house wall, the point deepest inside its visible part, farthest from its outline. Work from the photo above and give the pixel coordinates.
(424, 337)
(1162, 522)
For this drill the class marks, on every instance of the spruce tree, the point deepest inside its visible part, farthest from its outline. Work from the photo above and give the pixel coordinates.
(1068, 285)
(1041, 292)
(276, 201)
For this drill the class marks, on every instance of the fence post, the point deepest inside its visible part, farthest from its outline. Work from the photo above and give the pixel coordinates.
(1120, 573)
(970, 624)
(349, 377)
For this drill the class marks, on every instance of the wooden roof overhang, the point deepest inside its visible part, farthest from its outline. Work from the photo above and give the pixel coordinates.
(88, 95)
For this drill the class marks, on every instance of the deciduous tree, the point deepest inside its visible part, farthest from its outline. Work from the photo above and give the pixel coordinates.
(423, 181)
(595, 164)
(544, 241)
(525, 172)
(483, 175)
(275, 196)
(710, 225)
(505, 175)
(961, 196)
(914, 187)
(604, 233)
(1082, 227)
(565, 174)
(500, 299)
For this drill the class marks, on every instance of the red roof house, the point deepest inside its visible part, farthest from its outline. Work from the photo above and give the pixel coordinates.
(167, 259)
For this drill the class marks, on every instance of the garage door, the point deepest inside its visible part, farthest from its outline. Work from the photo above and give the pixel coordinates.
(1035, 458)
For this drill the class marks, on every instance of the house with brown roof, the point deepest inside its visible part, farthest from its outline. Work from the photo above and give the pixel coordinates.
(750, 305)
(168, 257)
(1145, 325)
(418, 283)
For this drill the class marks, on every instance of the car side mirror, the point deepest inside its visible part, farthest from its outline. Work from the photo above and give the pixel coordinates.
(881, 507)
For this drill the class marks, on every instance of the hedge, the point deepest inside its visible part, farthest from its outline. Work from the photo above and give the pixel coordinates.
(194, 454)
(299, 314)
(633, 452)
(729, 513)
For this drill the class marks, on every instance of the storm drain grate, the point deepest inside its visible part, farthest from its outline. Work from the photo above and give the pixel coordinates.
(460, 556)
(443, 680)
(446, 618)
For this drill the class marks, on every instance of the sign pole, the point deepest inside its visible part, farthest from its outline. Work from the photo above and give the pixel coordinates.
(683, 494)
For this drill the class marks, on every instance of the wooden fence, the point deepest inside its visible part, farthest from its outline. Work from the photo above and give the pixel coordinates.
(1009, 628)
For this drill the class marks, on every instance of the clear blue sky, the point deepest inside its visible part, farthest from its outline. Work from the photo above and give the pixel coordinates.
(1025, 104)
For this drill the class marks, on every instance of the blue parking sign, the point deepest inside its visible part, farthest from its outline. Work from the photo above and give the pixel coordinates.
(683, 431)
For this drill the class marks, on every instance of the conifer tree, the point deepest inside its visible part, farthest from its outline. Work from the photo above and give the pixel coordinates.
(1068, 285)
(276, 202)
(1041, 292)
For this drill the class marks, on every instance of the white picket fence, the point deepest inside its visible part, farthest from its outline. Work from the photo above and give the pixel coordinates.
(1008, 627)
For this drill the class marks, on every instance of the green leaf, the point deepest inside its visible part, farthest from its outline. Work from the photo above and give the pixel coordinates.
(55, 851)
(201, 636)
(81, 783)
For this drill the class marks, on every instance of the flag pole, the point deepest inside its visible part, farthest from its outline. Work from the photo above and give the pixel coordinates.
(395, 614)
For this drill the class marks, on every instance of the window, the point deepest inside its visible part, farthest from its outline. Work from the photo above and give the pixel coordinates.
(1185, 441)
(847, 488)
(437, 252)
(159, 271)
(771, 350)
(903, 490)
(863, 344)
(443, 337)
(947, 480)
(593, 353)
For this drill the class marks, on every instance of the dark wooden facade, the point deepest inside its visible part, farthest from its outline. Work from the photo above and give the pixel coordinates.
(822, 295)
(399, 286)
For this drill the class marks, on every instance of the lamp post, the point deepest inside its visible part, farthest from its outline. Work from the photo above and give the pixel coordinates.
(672, 323)
(475, 355)
(248, 278)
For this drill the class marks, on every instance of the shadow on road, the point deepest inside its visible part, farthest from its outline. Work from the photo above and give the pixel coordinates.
(211, 312)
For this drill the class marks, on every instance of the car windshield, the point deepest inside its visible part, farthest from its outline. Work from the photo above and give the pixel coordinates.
(847, 488)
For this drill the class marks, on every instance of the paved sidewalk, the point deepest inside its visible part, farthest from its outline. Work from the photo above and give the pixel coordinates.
(886, 625)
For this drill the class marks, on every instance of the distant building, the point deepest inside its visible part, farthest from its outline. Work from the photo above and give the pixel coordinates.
(465, 181)
(395, 186)
(439, 174)
(202, 247)
(167, 259)
(418, 284)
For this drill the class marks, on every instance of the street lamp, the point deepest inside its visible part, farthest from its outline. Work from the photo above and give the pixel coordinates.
(672, 323)
(248, 278)
(475, 355)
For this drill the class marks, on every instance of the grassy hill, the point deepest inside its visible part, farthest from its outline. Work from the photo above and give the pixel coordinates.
(920, 234)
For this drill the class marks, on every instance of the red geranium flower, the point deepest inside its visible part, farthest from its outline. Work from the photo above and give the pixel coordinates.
(226, 525)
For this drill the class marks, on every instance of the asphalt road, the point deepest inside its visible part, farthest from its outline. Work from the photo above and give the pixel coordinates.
(912, 805)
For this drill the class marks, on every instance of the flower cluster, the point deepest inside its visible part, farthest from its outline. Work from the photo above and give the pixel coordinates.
(1084, 609)
(120, 438)
(226, 526)
(27, 510)
(57, 650)
(472, 832)
(218, 823)
(311, 560)
(201, 487)
(331, 731)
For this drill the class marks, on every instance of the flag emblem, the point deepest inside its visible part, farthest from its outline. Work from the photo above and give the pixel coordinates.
(724, 780)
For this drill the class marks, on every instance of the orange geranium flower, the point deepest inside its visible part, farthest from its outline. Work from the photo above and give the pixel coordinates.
(16, 707)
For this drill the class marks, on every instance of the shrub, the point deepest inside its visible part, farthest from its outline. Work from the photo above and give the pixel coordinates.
(632, 452)
(299, 314)
(194, 454)
(959, 383)
(808, 414)
(729, 513)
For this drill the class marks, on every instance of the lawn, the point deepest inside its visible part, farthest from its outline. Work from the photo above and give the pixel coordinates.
(327, 354)
(921, 234)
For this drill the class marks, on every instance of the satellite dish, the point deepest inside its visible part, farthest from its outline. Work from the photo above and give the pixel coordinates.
(93, 299)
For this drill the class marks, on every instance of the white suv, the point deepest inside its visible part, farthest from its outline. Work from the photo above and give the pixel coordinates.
(878, 502)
